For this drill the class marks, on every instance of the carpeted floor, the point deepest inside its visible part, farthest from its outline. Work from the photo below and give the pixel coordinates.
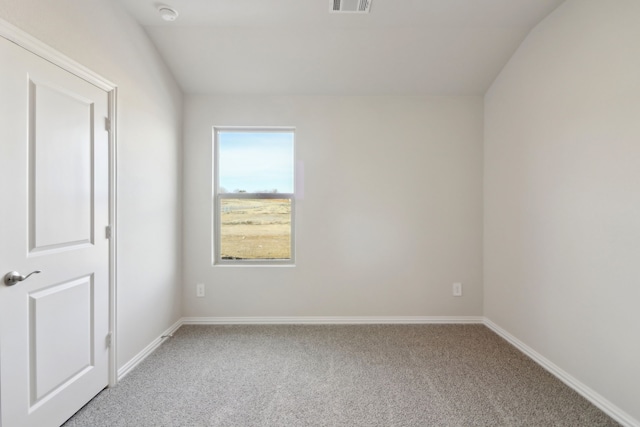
(338, 375)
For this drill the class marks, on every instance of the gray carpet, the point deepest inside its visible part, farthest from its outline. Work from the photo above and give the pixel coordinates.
(338, 375)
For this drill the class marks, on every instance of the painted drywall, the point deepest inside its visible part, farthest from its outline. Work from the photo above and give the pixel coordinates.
(102, 37)
(562, 205)
(388, 215)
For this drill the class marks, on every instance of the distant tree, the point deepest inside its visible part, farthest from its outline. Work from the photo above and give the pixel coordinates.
(222, 190)
(239, 191)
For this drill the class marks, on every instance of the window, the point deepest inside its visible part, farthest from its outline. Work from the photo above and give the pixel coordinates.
(253, 186)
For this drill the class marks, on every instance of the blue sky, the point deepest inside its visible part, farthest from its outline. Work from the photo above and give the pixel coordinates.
(256, 161)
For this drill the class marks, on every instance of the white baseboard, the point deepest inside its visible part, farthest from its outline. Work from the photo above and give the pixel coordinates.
(128, 367)
(606, 406)
(331, 320)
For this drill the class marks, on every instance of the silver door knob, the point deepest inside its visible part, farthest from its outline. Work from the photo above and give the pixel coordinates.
(14, 277)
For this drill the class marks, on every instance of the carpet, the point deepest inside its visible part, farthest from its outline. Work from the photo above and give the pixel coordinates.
(338, 375)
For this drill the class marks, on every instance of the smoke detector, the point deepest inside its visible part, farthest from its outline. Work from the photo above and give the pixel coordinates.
(167, 13)
(350, 6)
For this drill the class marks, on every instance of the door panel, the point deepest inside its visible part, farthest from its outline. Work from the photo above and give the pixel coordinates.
(57, 358)
(54, 184)
(61, 143)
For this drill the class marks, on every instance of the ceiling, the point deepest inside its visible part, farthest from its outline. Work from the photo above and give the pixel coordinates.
(297, 47)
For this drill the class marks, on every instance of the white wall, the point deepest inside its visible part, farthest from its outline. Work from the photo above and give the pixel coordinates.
(390, 212)
(562, 195)
(101, 36)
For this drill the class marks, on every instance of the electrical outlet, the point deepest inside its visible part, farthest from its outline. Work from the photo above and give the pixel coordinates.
(457, 289)
(200, 290)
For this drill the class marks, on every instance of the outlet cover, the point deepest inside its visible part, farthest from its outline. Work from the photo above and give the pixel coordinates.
(457, 289)
(200, 290)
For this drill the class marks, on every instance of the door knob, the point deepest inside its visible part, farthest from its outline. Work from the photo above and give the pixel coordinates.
(14, 277)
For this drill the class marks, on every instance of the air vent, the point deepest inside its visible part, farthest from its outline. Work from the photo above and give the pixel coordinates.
(350, 6)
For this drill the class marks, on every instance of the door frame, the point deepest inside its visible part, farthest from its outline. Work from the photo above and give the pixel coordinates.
(35, 46)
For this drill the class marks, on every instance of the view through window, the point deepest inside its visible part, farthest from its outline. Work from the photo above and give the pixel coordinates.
(254, 189)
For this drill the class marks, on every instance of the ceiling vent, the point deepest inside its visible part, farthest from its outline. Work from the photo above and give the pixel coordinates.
(350, 6)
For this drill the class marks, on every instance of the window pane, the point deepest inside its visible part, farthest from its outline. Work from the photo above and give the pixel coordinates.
(255, 162)
(255, 228)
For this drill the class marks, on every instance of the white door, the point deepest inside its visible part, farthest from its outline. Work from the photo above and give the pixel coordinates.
(54, 199)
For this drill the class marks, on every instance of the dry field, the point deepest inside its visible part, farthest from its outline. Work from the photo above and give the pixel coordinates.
(255, 229)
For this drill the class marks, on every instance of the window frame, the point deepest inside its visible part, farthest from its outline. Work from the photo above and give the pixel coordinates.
(218, 197)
